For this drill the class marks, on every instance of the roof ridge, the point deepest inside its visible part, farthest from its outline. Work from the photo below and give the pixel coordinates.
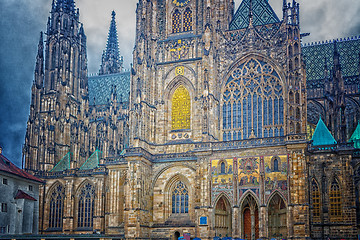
(331, 41)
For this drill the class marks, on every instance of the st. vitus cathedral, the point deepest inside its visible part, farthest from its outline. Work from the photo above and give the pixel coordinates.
(226, 126)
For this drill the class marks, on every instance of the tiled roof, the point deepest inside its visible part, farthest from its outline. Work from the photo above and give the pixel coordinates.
(9, 167)
(92, 162)
(63, 165)
(356, 136)
(100, 87)
(23, 195)
(262, 12)
(317, 55)
(322, 135)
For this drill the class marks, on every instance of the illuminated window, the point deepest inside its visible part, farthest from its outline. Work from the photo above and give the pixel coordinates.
(187, 20)
(176, 21)
(335, 202)
(56, 207)
(180, 112)
(86, 206)
(315, 201)
(253, 102)
(180, 198)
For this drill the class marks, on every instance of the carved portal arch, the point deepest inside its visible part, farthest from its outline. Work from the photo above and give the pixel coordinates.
(277, 216)
(223, 217)
(249, 216)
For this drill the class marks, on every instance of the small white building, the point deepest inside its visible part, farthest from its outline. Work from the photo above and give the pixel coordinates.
(19, 195)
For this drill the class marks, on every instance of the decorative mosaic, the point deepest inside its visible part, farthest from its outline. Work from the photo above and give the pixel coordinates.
(249, 175)
(100, 88)
(262, 12)
(319, 55)
(222, 177)
(276, 170)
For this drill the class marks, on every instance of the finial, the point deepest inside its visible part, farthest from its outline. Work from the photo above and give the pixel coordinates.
(113, 14)
(250, 10)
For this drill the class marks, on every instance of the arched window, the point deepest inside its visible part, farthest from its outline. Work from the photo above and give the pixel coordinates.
(187, 20)
(56, 207)
(181, 109)
(335, 202)
(180, 198)
(86, 206)
(222, 166)
(315, 200)
(176, 21)
(253, 102)
(276, 165)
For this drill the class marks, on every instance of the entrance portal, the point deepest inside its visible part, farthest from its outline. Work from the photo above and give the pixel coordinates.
(250, 219)
(176, 235)
(277, 217)
(223, 218)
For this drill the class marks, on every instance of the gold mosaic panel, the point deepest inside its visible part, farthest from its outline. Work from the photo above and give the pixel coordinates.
(181, 109)
(219, 176)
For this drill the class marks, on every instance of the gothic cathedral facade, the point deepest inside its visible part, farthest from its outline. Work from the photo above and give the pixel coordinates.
(210, 138)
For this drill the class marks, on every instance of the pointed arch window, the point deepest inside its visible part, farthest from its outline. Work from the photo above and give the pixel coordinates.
(176, 21)
(335, 202)
(56, 207)
(222, 166)
(86, 204)
(187, 22)
(253, 102)
(181, 109)
(276, 165)
(315, 200)
(180, 198)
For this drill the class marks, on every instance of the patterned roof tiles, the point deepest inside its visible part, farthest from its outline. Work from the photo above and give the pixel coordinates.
(263, 14)
(100, 87)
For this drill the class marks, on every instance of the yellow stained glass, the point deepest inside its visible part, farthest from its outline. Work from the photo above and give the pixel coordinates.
(176, 22)
(187, 20)
(181, 108)
(335, 202)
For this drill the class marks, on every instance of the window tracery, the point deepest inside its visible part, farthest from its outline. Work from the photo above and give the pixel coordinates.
(86, 206)
(180, 198)
(181, 109)
(253, 102)
(56, 207)
(176, 21)
(187, 22)
(335, 202)
(315, 200)
(182, 20)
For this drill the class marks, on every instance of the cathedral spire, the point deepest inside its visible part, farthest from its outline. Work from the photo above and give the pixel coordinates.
(111, 59)
(67, 6)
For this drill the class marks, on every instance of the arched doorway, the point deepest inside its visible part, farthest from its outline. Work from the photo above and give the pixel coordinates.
(277, 217)
(250, 218)
(176, 235)
(223, 218)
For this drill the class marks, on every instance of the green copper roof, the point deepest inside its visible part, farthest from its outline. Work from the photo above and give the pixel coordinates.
(262, 13)
(100, 87)
(317, 55)
(356, 136)
(322, 135)
(64, 164)
(92, 162)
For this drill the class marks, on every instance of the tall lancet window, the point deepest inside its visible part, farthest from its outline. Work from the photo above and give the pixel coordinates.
(316, 200)
(56, 207)
(180, 198)
(335, 202)
(86, 204)
(176, 21)
(253, 102)
(181, 109)
(187, 20)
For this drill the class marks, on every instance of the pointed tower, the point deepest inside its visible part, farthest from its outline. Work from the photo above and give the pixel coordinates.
(111, 61)
(60, 91)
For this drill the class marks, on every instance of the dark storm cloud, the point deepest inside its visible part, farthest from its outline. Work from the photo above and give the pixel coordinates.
(22, 20)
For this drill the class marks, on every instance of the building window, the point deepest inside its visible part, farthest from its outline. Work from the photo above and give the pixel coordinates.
(86, 206)
(56, 207)
(222, 167)
(5, 181)
(180, 198)
(253, 102)
(335, 202)
(315, 200)
(4, 207)
(181, 109)
(176, 21)
(276, 165)
(30, 188)
(3, 230)
(187, 20)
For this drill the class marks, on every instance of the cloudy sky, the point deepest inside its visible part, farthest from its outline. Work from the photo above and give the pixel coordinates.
(22, 20)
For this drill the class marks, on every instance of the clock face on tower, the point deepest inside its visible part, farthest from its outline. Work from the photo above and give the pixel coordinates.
(181, 3)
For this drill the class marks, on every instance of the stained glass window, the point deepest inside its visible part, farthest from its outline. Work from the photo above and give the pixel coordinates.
(176, 21)
(187, 20)
(315, 200)
(254, 93)
(222, 168)
(335, 202)
(180, 198)
(56, 207)
(86, 206)
(181, 108)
